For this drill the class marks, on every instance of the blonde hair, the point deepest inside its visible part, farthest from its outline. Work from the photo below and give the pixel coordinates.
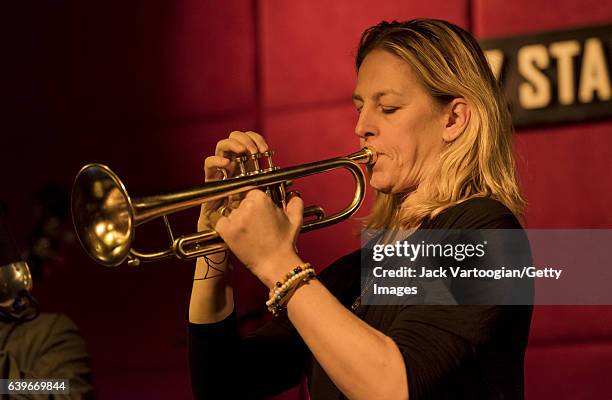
(480, 162)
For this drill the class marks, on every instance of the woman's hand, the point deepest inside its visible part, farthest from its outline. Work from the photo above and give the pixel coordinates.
(263, 235)
(259, 233)
(237, 144)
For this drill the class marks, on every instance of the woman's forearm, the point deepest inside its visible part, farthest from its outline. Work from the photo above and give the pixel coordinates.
(212, 299)
(362, 362)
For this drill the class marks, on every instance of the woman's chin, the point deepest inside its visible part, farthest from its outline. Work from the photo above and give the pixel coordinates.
(389, 187)
(380, 186)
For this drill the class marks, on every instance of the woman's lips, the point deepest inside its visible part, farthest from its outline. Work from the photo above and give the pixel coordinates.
(373, 148)
(377, 153)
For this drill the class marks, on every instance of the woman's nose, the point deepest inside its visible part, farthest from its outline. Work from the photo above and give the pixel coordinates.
(365, 125)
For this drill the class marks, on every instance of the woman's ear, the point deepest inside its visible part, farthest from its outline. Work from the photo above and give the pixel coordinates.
(457, 119)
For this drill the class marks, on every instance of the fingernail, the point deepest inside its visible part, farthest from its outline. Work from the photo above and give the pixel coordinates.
(294, 193)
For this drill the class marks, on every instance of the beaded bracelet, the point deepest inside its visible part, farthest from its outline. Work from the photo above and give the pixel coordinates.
(281, 288)
(279, 296)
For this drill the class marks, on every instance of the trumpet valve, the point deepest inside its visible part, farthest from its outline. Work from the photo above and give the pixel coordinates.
(251, 164)
(255, 159)
(242, 164)
(268, 156)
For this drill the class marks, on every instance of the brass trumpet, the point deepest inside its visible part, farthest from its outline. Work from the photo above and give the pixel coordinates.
(105, 216)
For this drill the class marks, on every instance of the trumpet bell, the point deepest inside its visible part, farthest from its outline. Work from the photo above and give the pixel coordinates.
(103, 215)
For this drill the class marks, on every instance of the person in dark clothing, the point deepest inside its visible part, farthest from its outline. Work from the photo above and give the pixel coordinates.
(34, 345)
(47, 347)
(431, 109)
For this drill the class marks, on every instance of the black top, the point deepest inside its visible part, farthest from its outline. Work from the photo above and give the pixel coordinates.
(451, 352)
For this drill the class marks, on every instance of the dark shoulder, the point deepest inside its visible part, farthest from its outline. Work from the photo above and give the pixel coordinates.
(475, 213)
(53, 322)
(43, 332)
(51, 327)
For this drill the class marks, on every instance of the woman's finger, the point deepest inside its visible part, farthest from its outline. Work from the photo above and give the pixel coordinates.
(245, 140)
(212, 166)
(262, 146)
(295, 210)
(229, 147)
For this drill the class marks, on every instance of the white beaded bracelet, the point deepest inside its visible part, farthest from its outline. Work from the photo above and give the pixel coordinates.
(278, 296)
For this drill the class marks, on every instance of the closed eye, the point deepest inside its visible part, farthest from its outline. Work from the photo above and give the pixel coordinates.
(389, 110)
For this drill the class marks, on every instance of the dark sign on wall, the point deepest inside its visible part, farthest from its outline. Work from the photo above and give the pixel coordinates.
(555, 77)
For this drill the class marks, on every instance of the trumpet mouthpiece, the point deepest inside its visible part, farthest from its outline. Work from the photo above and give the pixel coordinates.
(366, 156)
(374, 154)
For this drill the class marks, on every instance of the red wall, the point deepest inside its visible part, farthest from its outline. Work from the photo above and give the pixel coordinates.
(149, 87)
(565, 174)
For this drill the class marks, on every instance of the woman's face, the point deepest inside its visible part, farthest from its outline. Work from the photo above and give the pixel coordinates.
(399, 119)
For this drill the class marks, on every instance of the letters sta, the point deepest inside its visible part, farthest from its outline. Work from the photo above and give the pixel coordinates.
(536, 91)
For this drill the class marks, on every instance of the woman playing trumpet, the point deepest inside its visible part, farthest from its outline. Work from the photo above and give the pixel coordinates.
(430, 107)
